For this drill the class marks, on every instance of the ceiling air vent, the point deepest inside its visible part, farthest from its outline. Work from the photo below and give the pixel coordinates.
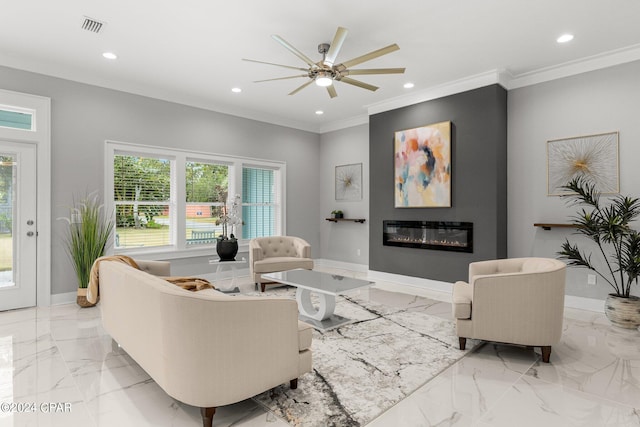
(92, 25)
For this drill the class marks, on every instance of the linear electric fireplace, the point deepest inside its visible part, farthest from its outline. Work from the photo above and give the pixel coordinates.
(438, 235)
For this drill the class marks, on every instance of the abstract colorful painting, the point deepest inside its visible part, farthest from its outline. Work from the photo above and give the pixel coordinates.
(593, 157)
(423, 167)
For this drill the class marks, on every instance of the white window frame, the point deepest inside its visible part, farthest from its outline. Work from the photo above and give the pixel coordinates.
(179, 157)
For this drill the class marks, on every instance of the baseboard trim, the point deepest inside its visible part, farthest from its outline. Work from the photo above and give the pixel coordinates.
(582, 303)
(330, 263)
(416, 282)
(64, 298)
(570, 301)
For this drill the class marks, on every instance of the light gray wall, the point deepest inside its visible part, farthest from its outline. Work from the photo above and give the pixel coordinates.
(84, 116)
(595, 102)
(341, 241)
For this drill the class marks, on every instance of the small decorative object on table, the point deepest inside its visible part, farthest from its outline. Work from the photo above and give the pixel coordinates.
(609, 228)
(337, 214)
(227, 246)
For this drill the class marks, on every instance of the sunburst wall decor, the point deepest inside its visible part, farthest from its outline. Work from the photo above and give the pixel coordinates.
(349, 182)
(594, 157)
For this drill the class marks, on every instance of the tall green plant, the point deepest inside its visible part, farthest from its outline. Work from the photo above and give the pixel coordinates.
(89, 229)
(607, 226)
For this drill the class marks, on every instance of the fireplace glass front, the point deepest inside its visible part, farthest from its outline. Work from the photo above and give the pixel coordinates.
(437, 235)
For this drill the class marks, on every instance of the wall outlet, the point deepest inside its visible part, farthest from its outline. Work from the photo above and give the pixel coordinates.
(591, 279)
(358, 252)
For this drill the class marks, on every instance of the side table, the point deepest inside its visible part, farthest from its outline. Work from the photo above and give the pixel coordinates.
(233, 266)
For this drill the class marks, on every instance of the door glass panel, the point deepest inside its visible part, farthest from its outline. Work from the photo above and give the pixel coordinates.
(7, 204)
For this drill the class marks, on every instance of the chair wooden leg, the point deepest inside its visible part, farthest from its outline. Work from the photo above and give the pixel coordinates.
(293, 384)
(546, 353)
(463, 342)
(207, 416)
(262, 286)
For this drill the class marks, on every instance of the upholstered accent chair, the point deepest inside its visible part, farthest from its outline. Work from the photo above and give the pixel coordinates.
(277, 253)
(515, 301)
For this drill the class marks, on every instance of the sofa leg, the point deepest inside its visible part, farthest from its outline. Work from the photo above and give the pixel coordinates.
(463, 343)
(546, 353)
(293, 383)
(263, 286)
(207, 416)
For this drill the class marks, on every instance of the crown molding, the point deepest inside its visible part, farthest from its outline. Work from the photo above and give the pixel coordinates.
(572, 68)
(449, 88)
(344, 123)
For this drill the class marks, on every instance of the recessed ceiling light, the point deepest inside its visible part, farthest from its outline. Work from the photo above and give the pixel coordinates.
(408, 85)
(319, 112)
(110, 55)
(565, 38)
(236, 90)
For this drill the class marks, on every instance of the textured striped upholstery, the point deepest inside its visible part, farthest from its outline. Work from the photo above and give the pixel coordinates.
(516, 301)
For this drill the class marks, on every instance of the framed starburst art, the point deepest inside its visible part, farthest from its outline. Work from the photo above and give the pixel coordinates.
(594, 157)
(349, 182)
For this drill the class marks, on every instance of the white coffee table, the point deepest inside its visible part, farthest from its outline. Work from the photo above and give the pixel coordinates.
(328, 286)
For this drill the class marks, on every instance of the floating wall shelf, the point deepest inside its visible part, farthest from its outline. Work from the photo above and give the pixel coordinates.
(360, 220)
(550, 226)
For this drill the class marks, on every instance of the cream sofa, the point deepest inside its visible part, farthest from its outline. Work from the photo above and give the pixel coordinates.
(277, 253)
(205, 348)
(517, 301)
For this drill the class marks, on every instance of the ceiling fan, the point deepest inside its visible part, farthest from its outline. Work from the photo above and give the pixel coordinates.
(326, 71)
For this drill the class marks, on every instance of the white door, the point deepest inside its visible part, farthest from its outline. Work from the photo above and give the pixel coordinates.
(18, 230)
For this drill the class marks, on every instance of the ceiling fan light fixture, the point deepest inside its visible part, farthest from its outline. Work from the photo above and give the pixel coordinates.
(323, 79)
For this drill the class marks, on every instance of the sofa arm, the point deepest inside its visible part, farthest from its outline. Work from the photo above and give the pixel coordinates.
(461, 300)
(220, 351)
(157, 268)
(303, 249)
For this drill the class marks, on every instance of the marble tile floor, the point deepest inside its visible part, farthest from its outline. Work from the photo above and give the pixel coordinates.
(61, 354)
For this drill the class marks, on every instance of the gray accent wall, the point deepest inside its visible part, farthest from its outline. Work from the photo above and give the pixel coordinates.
(600, 101)
(479, 182)
(84, 116)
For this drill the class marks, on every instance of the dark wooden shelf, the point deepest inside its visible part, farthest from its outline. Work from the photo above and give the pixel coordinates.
(546, 226)
(360, 220)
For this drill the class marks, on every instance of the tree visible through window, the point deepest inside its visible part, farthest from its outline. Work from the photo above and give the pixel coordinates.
(142, 194)
(207, 187)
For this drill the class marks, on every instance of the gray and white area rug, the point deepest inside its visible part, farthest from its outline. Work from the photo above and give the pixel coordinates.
(362, 369)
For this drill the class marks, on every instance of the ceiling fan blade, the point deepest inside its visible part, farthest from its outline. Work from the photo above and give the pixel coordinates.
(282, 78)
(301, 87)
(293, 50)
(336, 45)
(277, 65)
(373, 71)
(358, 83)
(332, 91)
(371, 55)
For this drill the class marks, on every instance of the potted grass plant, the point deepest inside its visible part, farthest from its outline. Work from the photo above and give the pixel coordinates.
(86, 238)
(608, 226)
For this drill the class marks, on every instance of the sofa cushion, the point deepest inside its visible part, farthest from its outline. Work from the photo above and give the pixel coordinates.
(272, 264)
(305, 331)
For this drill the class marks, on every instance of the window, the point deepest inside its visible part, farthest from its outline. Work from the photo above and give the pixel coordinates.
(207, 188)
(16, 119)
(259, 207)
(142, 196)
(169, 200)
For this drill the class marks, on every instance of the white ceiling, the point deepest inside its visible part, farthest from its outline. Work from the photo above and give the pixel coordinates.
(190, 51)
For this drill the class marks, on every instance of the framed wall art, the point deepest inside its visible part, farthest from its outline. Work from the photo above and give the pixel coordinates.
(349, 182)
(422, 158)
(594, 157)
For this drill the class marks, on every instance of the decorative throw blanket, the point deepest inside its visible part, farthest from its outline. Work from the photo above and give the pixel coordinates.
(188, 283)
